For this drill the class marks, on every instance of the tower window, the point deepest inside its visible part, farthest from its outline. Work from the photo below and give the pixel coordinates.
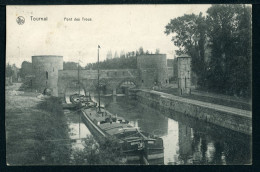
(46, 75)
(53, 69)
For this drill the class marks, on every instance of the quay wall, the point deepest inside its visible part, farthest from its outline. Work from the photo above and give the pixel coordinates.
(224, 117)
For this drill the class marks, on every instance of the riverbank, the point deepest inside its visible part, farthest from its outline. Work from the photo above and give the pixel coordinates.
(224, 100)
(187, 140)
(34, 127)
(232, 118)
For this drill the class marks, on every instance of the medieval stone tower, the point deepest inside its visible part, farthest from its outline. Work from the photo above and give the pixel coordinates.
(153, 69)
(184, 74)
(45, 69)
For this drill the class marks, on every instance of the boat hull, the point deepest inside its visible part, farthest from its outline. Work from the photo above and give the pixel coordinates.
(133, 156)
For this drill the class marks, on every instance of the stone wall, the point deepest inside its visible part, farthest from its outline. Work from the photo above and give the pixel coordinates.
(111, 79)
(45, 68)
(184, 74)
(170, 72)
(236, 122)
(153, 70)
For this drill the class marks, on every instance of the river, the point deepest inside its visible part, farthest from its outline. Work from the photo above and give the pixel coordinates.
(186, 140)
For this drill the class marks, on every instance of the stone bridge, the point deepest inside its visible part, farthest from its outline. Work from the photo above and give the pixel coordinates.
(110, 80)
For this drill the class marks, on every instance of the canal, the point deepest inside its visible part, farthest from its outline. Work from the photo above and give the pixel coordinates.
(186, 140)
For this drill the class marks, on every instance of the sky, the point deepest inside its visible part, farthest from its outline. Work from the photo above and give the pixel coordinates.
(113, 27)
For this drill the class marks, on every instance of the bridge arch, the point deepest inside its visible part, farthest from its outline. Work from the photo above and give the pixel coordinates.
(88, 80)
(126, 83)
(105, 85)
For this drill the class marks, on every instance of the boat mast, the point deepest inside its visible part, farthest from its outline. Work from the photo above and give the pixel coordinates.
(78, 78)
(98, 83)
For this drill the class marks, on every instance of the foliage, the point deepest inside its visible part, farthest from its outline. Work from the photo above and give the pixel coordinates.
(125, 61)
(26, 69)
(115, 63)
(71, 66)
(9, 72)
(189, 34)
(226, 33)
(52, 127)
(141, 51)
(230, 40)
(106, 152)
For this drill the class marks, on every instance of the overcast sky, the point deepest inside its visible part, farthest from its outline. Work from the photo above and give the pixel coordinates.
(115, 28)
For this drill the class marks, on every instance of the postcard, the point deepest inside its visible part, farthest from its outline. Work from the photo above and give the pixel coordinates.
(129, 84)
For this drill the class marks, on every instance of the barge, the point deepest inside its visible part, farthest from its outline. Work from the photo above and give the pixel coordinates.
(138, 146)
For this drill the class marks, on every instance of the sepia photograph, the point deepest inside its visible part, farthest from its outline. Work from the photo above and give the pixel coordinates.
(128, 84)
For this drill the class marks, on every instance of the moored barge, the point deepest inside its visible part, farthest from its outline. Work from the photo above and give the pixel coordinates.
(137, 145)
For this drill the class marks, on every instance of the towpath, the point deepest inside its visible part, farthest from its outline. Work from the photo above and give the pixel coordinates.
(222, 108)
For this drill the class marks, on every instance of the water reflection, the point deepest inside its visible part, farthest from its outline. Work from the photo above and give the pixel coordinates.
(78, 129)
(186, 140)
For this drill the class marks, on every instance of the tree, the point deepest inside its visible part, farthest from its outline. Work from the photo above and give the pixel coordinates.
(133, 53)
(109, 55)
(189, 35)
(116, 63)
(141, 51)
(116, 55)
(137, 53)
(71, 66)
(226, 33)
(157, 51)
(26, 69)
(9, 72)
(229, 31)
(106, 152)
(122, 54)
